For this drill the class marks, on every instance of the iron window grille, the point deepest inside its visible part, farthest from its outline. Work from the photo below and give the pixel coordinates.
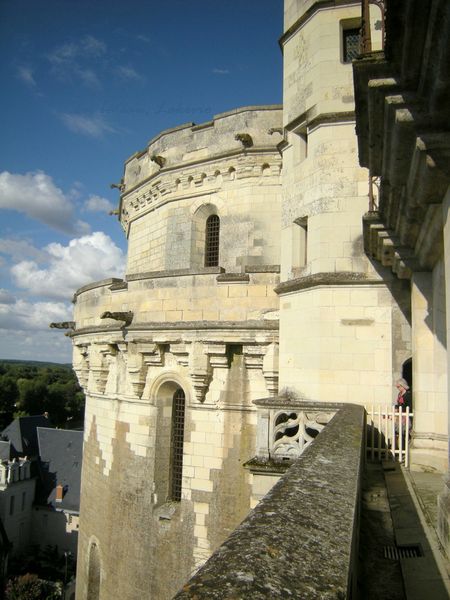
(351, 44)
(212, 235)
(178, 410)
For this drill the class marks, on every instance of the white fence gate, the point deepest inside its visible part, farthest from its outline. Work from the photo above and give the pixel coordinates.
(388, 431)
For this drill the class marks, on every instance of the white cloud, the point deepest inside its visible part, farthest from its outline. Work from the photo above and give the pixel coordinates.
(128, 73)
(89, 258)
(21, 249)
(73, 61)
(89, 77)
(98, 204)
(143, 38)
(6, 297)
(35, 195)
(92, 46)
(25, 74)
(217, 71)
(25, 332)
(31, 316)
(94, 126)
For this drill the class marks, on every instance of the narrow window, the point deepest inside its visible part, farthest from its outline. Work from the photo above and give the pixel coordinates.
(11, 505)
(350, 39)
(176, 463)
(212, 241)
(24, 499)
(300, 242)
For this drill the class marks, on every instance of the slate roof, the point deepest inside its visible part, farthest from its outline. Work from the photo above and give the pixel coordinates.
(61, 452)
(22, 434)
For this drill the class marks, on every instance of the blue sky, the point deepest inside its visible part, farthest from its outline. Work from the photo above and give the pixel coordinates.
(85, 84)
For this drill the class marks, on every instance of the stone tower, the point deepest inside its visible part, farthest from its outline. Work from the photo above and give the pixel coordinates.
(343, 336)
(172, 357)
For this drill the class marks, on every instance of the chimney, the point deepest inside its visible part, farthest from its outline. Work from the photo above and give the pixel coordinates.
(59, 493)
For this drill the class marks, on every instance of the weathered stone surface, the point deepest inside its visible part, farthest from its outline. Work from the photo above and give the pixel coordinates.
(299, 542)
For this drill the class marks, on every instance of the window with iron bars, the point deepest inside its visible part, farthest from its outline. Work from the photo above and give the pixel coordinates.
(176, 463)
(351, 44)
(212, 235)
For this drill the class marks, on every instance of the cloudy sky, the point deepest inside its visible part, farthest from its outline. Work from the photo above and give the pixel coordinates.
(85, 84)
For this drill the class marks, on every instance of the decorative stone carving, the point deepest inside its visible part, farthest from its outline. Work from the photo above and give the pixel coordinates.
(181, 353)
(153, 354)
(217, 354)
(200, 371)
(245, 139)
(100, 363)
(81, 364)
(126, 317)
(119, 186)
(159, 160)
(293, 431)
(63, 325)
(136, 368)
(253, 356)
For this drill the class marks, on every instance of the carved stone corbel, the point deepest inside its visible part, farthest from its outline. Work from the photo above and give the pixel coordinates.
(181, 353)
(253, 356)
(100, 364)
(136, 368)
(217, 354)
(81, 364)
(200, 371)
(152, 353)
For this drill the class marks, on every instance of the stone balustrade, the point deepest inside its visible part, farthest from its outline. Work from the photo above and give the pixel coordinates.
(301, 540)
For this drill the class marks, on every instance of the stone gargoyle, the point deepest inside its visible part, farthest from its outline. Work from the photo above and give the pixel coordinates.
(63, 325)
(245, 139)
(159, 160)
(127, 317)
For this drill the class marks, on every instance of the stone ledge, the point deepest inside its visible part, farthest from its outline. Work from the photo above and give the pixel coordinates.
(339, 278)
(301, 539)
(233, 278)
(262, 268)
(290, 402)
(250, 325)
(97, 284)
(174, 273)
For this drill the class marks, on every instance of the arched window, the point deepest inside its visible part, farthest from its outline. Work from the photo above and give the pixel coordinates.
(176, 446)
(212, 235)
(94, 573)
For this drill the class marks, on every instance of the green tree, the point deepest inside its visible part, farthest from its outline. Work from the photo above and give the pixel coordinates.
(26, 587)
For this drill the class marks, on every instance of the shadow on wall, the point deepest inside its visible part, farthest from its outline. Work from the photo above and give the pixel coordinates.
(51, 527)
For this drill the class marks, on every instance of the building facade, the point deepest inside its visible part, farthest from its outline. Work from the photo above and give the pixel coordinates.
(248, 276)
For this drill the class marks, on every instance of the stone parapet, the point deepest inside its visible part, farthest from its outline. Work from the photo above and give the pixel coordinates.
(301, 539)
(191, 160)
(183, 296)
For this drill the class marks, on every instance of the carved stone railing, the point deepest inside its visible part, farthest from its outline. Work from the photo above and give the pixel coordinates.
(301, 539)
(286, 426)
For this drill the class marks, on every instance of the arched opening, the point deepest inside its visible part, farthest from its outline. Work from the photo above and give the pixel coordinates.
(407, 372)
(168, 475)
(93, 592)
(212, 239)
(176, 445)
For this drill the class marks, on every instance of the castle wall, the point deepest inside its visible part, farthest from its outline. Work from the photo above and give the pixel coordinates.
(171, 327)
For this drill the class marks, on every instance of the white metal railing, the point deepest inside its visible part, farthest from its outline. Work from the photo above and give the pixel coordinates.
(388, 431)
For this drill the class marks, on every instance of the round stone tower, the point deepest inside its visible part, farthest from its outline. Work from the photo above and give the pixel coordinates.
(172, 356)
